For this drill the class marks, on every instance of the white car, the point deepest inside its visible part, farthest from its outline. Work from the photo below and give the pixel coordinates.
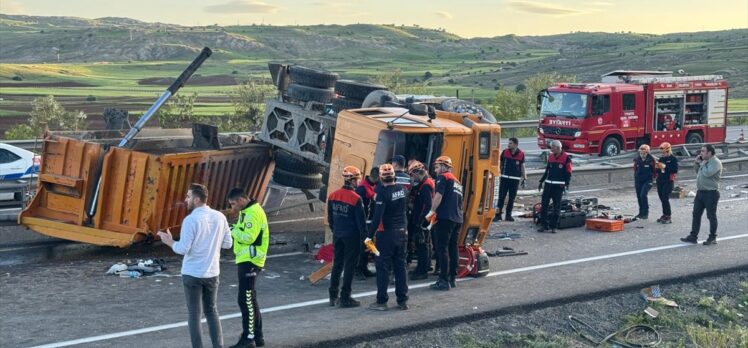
(16, 164)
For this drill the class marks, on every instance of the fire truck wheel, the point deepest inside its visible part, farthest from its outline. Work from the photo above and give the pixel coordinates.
(611, 147)
(306, 93)
(290, 163)
(356, 90)
(694, 138)
(312, 77)
(302, 181)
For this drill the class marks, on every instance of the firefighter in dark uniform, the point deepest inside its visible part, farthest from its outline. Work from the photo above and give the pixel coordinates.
(447, 210)
(423, 194)
(345, 214)
(644, 174)
(667, 170)
(553, 183)
(403, 179)
(390, 206)
(365, 190)
(512, 165)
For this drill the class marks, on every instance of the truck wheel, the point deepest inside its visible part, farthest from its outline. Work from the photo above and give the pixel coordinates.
(694, 138)
(306, 93)
(466, 107)
(322, 193)
(302, 181)
(312, 77)
(356, 90)
(288, 162)
(346, 103)
(611, 147)
(374, 99)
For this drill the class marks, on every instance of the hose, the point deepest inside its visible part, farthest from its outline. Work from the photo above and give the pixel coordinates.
(626, 332)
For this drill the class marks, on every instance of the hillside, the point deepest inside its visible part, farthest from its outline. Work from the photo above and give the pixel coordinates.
(358, 51)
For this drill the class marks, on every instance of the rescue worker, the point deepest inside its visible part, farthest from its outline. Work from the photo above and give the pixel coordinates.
(447, 208)
(389, 210)
(644, 174)
(403, 179)
(667, 167)
(251, 239)
(366, 190)
(422, 193)
(553, 183)
(345, 214)
(512, 165)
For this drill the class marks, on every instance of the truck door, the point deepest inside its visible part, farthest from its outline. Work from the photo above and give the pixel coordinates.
(632, 114)
(667, 124)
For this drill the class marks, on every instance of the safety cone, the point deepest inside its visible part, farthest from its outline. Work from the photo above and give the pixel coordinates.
(741, 138)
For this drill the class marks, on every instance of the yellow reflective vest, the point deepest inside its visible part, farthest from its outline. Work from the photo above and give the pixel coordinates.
(251, 235)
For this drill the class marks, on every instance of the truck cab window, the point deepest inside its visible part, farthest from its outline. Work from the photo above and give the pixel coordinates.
(600, 104)
(629, 102)
(561, 104)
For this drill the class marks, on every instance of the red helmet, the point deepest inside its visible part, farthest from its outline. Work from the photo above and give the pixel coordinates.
(416, 166)
(351, 172)
(445, 160)
(386, 170)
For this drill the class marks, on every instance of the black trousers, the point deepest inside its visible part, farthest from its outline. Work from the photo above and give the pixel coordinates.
(392, 246)
(247, 300)
(642, 189)
(507, 186)
(422, 240)
(363, 255)
(664, 188)
(705, 200)
(345, 256)
(551, 192)
(445, 238)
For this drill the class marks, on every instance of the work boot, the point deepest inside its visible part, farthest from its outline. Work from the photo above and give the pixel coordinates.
(542, 229)
(667, 219)
(403, 306)
(378, 306)
(245, 343)
(440, 285)
(259, 341)
(509, 218)
(553, 230)
(661, 219)
(333, 298)
(497, 217)
(711, 240)
(690, 239)
(452, 283)
(348, 302)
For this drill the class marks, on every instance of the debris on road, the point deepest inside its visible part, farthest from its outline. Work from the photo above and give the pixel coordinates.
(653, 294)
(505, 236)
(141, 267)
(505, 251)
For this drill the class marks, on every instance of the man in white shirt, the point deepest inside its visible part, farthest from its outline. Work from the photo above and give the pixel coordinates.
(204, 233)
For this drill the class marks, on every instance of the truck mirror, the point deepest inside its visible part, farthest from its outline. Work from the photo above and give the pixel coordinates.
(418, 109)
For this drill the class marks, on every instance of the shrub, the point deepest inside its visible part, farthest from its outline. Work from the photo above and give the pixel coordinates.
(91, 98)
(20, 132)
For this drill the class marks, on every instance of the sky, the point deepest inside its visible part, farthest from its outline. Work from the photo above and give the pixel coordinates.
(466, 18)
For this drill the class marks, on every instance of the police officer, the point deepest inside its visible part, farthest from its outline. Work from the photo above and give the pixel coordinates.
(422, 193)
(644, 173)
(366, 189)
(389, 209)
(345, 214)
(667, 170)
(447, 207)
(512, 164)
(553, 183)
(251, 239)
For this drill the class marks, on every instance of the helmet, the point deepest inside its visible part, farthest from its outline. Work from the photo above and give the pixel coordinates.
(665, 147)
(445, 160)
(386, 170)
(416, 166)
(351, 172)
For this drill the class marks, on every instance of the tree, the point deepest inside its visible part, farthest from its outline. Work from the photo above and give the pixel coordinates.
(20, 132)
(47, 112)
(427, 75)
(397, 84)
(177, 111)
(249, 105)
(519, 104)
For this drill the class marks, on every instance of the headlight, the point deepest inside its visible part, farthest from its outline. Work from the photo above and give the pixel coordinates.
(577, 134)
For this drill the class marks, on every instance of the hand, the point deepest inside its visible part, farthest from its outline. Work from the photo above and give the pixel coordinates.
(524, 184)
(367, 240)
(428, 216)
(566, 189)
(540, 187)
(699, 159)
(166, 237)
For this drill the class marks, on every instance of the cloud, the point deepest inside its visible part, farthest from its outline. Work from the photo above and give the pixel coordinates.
(543, 8)
(445, 14)
(601, 3)
(12, 7)
(242, 6)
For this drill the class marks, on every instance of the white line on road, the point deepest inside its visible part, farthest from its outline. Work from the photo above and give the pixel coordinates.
(296, 220)
(372, 293)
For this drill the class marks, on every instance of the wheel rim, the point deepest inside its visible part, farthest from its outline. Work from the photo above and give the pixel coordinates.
(611, 150)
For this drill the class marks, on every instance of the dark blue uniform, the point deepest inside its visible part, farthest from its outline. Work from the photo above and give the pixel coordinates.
(555, 180)
(449, 218)
(390, 207)
(511, 174)
(422, 200)
(665, 182)
(345, 214)
(644, 173)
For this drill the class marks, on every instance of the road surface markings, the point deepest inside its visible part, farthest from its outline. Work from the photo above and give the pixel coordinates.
(296, 220)
(372, 293)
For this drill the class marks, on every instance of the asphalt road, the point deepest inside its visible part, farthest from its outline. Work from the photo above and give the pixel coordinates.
(73, 303)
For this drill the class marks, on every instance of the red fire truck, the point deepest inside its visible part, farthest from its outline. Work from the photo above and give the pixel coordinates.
(630, 108)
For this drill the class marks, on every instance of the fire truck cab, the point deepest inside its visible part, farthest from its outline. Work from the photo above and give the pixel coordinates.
(630, 108)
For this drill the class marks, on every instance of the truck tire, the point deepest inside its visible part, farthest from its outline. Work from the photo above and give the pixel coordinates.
(356, 90)
(342, 103)
(374, 99)
(694, 138)
(306, 93)
(466, 107)
(611, 147)
(312, 77)
(322, 193)
(290, 163)
(302, 181)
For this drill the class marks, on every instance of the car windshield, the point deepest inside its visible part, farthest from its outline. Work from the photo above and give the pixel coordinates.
(560, 104)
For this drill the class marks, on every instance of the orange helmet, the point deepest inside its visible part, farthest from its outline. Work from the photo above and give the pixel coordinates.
(445, 160)
(665, 147)
(386, 170)
(415, 166)
(351, 172)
